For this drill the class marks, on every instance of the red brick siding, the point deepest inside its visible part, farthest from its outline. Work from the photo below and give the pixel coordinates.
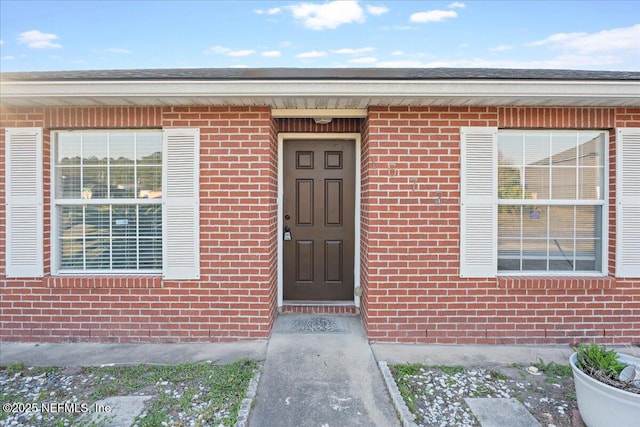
(413, 290)
(236, 295)
(409, 250)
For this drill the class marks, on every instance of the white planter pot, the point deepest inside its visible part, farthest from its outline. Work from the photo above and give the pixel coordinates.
(602, 405)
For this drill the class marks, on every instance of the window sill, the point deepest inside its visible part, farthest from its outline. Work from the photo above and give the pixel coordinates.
(106, 281)
(556, 282)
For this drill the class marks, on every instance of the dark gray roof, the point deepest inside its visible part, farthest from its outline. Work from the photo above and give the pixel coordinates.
(320, 74)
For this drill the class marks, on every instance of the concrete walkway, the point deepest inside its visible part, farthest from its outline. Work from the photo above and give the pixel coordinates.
(320, 371)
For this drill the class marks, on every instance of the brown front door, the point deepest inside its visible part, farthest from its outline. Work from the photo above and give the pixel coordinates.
(319, 212)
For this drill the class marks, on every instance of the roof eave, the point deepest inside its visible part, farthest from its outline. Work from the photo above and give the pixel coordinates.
(322, 93)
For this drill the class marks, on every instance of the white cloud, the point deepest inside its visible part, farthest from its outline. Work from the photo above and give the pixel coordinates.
(364, 60)
(397, 53)
(377, 10)
(1, 42)
(217, 50)
(8, 58)
(38, 40)
(348, 51)
(433, 16)
(272, 11)
(463, 45)
(457, 4)
(559, 62)
(604, 41)
(271, 53)
(221, 50)
(244, 52)
(327, 15)
(311, 54)
(401, 64)
(117, 50)
(501, 48)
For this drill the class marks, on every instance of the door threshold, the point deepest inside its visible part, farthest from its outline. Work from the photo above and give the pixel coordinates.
(320, 307)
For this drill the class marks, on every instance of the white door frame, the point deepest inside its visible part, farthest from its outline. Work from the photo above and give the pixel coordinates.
(355, 137)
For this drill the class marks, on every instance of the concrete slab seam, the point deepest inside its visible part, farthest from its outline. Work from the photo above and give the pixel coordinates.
(406, 417)
(247, 402)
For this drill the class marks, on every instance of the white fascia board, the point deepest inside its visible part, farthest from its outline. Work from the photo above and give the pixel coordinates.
(625, 91)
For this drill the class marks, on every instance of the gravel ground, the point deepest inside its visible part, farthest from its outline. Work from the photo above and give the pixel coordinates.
(191, 395)
(435, 395)
(185, 397)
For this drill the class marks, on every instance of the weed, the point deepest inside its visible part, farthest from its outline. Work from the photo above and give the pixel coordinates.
(516, 366)
(497, 375)
(554, 369)
(450, 370)
(481, 391)
(406, 369)
(15, 368)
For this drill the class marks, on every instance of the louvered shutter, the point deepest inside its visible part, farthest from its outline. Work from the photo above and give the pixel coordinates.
(181, 207)
(478, 200)
(24, 257)
(628, 203)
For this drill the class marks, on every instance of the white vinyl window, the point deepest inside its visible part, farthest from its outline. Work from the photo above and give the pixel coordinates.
(551, 201)
(107, 199)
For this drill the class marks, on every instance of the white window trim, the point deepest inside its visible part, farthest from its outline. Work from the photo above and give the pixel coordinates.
(57, 203)
(604, 202)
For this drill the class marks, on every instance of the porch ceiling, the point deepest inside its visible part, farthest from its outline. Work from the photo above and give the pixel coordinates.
(322, 89)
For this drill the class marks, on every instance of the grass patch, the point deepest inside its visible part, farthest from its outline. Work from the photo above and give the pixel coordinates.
(450, 370)
(224, 387)
(554, 369)
(406, 369)
(15, 368)
(402, 373)
(497, 375)
(216, 390)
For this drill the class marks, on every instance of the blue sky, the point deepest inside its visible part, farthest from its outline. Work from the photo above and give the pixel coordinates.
(71, 35)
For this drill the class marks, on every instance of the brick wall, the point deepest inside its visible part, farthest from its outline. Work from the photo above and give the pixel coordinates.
(409, 251)
(236, 295)
(413, 290)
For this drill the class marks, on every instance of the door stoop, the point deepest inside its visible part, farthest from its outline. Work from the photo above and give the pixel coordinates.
(320, 307)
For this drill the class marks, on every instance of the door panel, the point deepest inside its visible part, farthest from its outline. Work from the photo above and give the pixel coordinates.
(319, 202)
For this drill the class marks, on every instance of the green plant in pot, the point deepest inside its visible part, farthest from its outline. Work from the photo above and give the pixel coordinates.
(598, 362)
(603, 399)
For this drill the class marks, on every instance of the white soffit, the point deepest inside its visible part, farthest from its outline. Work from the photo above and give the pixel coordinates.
(323, 94)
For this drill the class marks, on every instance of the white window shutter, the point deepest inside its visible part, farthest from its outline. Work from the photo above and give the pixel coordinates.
(628, 202)
(478, 202)
(181, 204)
(24, 197)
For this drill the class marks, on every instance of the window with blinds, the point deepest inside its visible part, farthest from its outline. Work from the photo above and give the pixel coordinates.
(107, 199)
(551, 201)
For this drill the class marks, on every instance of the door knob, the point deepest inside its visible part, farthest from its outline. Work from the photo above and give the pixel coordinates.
(287, 217)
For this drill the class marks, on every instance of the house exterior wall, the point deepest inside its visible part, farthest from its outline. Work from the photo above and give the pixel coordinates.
(235, 297)
(413, 291)
(410, 250)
